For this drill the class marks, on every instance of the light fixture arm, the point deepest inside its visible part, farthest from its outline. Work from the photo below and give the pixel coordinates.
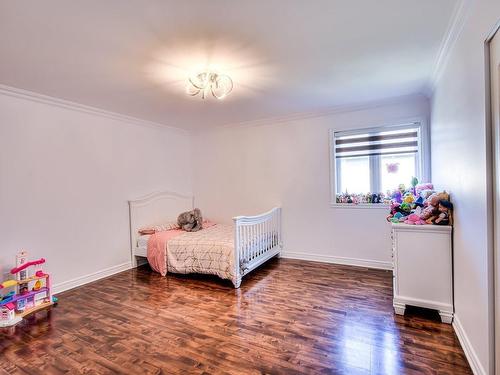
(219, 85)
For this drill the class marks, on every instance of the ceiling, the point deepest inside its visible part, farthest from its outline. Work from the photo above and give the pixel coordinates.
(285, 56)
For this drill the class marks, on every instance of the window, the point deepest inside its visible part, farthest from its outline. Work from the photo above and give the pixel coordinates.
(378, 160)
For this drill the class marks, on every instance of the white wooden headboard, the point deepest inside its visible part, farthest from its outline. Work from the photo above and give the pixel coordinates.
(154, 209)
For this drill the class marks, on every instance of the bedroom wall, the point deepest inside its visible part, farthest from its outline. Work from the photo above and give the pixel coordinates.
(249, 169)
(65, 178)
(459, 162)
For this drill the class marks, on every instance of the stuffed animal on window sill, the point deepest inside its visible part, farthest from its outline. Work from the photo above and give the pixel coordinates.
(444, 213)
(191, 221)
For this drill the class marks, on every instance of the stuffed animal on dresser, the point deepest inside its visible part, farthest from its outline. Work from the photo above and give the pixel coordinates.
(431, 206)
(191, 221)
(444, 215)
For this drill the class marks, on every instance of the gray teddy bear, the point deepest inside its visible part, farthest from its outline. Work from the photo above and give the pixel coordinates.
(191, 221)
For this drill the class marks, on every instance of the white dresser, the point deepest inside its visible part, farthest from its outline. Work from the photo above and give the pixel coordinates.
(422, 258)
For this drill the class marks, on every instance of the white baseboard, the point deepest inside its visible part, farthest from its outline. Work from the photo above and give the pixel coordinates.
(469, 351)
(338, 260)
(79, 281)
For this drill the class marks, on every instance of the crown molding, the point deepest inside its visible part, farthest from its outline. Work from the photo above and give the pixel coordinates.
(452, 34)
(324, 112)
(66, 104)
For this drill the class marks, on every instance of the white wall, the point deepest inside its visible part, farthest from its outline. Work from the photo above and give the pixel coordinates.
(65, 178)
(459, 155)
(247, 170)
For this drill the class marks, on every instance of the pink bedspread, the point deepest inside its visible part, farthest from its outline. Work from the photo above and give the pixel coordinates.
(157, 247)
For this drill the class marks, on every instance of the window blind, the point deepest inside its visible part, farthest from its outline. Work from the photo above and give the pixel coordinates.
(387, 142)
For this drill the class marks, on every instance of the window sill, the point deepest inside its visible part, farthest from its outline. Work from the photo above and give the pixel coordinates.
(368, 206)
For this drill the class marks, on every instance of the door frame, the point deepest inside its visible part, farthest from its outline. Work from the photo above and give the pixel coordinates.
(493, 214)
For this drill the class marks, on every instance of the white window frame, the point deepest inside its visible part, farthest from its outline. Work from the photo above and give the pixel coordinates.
(423, 167)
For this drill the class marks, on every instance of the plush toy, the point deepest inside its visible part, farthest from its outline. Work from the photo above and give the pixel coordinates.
(434, 199)
(419, 202)
(426, 193)
(393, 210)
(445, 208)
(421, 187)
(409, 198)
(405, 208)
(190, 221)
(428, 212)
(399, 217)
(414, 182)
(414, 219)
(431, 206)
(397, 196)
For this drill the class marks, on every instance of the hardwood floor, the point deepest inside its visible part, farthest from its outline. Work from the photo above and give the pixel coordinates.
(289, 317)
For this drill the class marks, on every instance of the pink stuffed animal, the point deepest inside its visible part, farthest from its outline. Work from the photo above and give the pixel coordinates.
(414, 219)
(421, 187)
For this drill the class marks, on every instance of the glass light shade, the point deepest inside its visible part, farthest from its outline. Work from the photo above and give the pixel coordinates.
(205, 83)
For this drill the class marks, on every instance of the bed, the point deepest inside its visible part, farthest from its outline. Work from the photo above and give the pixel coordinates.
(228, 251)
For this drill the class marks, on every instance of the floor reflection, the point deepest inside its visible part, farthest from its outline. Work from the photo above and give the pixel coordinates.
(370, 345)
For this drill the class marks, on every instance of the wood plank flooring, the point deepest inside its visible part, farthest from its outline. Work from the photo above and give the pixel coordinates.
(289, 317)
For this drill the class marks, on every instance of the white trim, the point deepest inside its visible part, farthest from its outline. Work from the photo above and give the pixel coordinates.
(493, 178)
(66, 104)
(377, 264)
(467, 347)
(333, 168)
(424, 161)
(421, 228)
(85, 279)
(62, 103)
(424, 303)
(324, 112)
(392, 126)
(453, 31)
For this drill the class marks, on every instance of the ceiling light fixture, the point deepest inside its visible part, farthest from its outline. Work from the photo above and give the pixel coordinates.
(219, 85)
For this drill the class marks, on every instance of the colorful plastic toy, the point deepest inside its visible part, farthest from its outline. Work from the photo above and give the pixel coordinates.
(26, 294)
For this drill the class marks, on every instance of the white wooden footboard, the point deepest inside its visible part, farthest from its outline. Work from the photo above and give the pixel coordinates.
(256, 240)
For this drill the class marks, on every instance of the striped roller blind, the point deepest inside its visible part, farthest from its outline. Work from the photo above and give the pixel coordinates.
(385, 142)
